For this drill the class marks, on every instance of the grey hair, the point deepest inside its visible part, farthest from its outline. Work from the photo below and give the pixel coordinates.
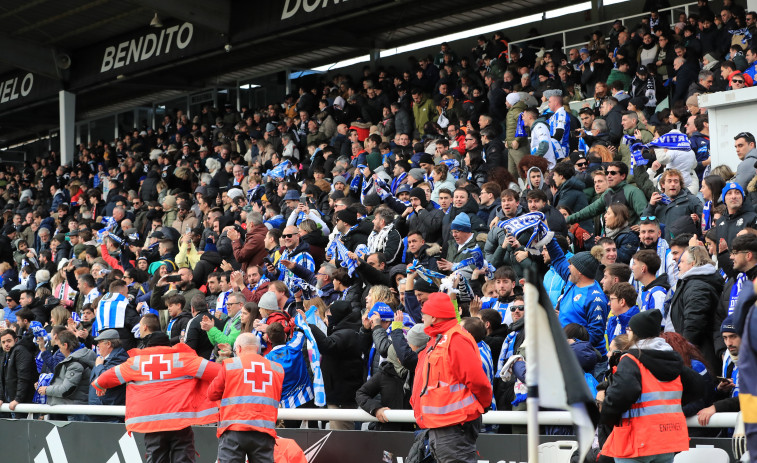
(246, 340)
(328, 269)
(255, 218)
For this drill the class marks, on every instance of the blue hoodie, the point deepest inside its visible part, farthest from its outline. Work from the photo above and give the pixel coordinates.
(617, 324)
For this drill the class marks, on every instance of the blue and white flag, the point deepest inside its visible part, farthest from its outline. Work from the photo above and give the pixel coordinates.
(110, 223)
(44, 380)
(636, 157)
(281, 170)
(745, 32)
(672, 141)
(476, 259)
(425, 273)
(523, 223)
(520, 127)
(362, 250)
(454, 167)
(338, 250)
(315, 362)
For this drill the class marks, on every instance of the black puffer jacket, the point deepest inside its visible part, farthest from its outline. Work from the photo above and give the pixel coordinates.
(341, 359)
(17, 375)
(730, 224)
(358, 235)
(385, 389)
(625, 384)
(694, 305)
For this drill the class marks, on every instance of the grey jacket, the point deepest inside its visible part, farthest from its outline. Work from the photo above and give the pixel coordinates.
(745, 171)
(70, 383)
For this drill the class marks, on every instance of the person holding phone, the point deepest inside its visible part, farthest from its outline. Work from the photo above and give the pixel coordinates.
(728, 381)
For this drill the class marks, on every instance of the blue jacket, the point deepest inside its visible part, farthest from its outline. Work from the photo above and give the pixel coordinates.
(113, 396)
(586, 306)
(615, 321)
(298, 387)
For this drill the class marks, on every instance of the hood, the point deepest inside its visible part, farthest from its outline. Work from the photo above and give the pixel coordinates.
(302, 247)
(659, 358)
(85, 356)
(211, 257)
(316, 238)
(587, 355)
(351, 321)
(339, 311)
(471, 207)
(708, 274)
(661, 281)
(528, 176)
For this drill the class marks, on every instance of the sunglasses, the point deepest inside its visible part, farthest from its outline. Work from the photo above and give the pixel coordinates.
(580, 164)
(649, 217)
(746, 136)
(519, 308)
(737, 81)
(288, 235)
(613, 172)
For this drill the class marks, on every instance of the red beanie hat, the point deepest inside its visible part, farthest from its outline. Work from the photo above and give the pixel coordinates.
(439, 305)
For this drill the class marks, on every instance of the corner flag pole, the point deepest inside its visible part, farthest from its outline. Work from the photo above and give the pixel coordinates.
(531, 303)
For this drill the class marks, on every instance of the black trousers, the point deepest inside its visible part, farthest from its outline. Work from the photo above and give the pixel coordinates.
(455, 444)
(171, 446)
(236, 446)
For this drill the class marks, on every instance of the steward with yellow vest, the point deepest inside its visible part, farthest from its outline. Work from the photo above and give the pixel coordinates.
(450, 392)
(165, 396)
(643, 400)
(249, 388)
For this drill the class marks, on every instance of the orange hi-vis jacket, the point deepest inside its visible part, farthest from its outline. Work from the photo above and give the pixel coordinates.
(249, 388)
(166, 388)
(443, 397)
(655, 424)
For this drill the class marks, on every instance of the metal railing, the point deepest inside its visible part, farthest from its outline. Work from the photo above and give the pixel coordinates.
(563, 33)
(718, 420)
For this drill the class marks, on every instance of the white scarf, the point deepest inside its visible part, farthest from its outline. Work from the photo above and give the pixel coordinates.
(377, 240)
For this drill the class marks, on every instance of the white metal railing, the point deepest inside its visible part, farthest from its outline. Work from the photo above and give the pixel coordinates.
(672, 10)
(718, 420)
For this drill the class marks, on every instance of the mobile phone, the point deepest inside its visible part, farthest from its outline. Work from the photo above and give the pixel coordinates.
(173, 278)
(722, 379)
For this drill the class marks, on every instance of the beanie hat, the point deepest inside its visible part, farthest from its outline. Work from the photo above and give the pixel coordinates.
(731, 186)
(646, 324)
(419, 193)
(426, 159)
(550, 93)
(383, 310)
(269, 302)
(417, 337)
(728, 325)
(461, 223)
(15, 294)
(347, 216)
(512, 98)
(417, 173)
(439, 305)
(585, 263)
(372, 200)
(420, 284)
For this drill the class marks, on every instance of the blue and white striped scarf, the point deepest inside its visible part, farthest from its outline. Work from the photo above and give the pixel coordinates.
(338, 250)
(533, 221)
(315, 362)
(396, 182)
(109, 222)
(520, 127)
(476, 259)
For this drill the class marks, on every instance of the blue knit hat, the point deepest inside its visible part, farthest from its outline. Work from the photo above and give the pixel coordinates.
(461, 223)
(728, 326)
(731, 186)
(383, 310)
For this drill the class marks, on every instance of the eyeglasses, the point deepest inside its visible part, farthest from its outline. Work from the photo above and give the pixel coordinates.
(519, 308)
(733, 253)
(232, 303)
(580, 164)
(288, 235)
(470, 139)
(613, 298)
(613, 172)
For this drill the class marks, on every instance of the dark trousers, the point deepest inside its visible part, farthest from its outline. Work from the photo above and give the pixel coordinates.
(455, 444)
(294, 424)
(170, 446)
(235, 446)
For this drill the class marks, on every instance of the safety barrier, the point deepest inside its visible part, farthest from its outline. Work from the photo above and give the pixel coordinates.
(718, 420)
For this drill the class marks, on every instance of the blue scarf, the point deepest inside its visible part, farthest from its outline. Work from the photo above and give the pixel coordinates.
(532, 221)
(735, 290)
(672, 141)
(520, 127)
(706, 216)
(396, 182)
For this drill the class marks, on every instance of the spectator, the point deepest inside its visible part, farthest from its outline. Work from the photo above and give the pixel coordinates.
(110, 354)
(70, 382)
(17, 372)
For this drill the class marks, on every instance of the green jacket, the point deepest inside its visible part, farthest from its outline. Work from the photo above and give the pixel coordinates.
(635, 200)
(511, 123)
(231, 330)
(374, 160)
(621, 76)
(423, 112)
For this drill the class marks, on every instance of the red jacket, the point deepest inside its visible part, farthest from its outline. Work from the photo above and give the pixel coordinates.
(166, 388)
(249, 388)
(448, 388)
(253, 251)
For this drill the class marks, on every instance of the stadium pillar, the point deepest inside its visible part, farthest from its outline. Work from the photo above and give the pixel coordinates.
(375, 55)
(67, 114)
(597, 7)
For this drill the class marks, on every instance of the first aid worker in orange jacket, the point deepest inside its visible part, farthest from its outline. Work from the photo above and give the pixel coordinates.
(643, 400)
(450, 391)
(165, 395)
(249, 388)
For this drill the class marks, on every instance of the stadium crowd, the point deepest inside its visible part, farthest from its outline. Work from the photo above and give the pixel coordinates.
(327, 222)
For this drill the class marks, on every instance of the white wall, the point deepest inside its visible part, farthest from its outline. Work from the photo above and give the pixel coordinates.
(729, 113)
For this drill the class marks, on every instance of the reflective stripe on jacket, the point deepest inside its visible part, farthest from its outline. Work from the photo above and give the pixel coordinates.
(655, 424)
(166, 388)
(249, 388)
(443, 399)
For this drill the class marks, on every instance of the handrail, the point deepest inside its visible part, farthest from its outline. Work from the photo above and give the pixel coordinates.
(623, 20)
(718, 420)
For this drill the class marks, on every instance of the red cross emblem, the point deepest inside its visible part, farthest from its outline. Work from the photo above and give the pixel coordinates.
(156, 367)
(260, 380)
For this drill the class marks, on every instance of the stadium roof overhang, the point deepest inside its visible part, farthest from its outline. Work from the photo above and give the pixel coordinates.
(107, 53)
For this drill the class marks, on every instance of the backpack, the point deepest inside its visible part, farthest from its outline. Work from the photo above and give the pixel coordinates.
(420, 451)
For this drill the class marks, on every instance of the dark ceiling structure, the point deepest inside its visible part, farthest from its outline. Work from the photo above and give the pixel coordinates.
(68, 44)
